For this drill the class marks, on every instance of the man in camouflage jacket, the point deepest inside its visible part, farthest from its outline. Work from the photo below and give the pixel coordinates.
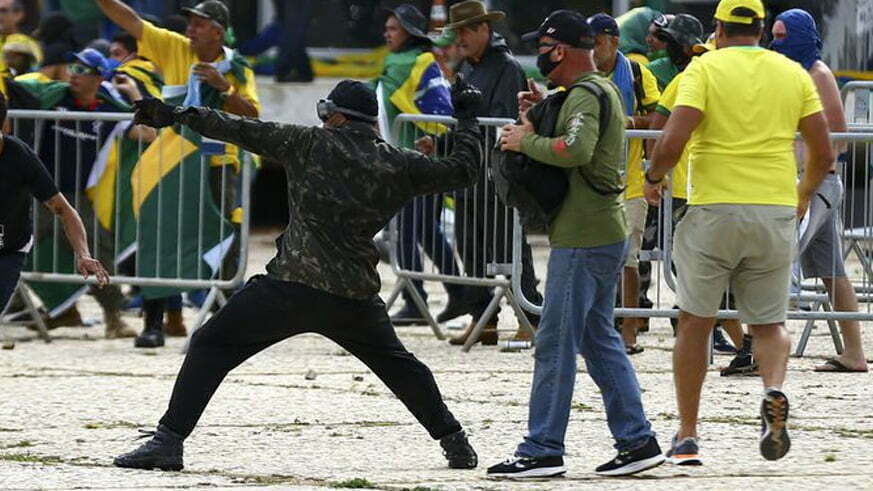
(344, 185)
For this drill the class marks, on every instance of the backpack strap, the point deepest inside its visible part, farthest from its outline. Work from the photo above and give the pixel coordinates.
(639, 92)
(605, 113)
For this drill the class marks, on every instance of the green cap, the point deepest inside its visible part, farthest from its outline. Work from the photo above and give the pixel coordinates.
(213, 10)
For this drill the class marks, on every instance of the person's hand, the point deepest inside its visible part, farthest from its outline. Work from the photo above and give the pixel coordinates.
(425, 145)
(512, 134)
(209, 74)
(87, 266)
(127, 86)
(466, 99)
(526, 99)
(154, 113)
(653, 192)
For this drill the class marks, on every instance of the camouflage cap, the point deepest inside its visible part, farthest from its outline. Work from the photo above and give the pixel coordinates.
(213, 10)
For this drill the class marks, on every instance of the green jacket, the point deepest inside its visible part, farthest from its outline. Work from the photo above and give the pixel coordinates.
(587, 218)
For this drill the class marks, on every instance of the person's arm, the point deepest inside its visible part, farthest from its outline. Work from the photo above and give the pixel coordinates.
(657, 121)
(829, 93)
(272, 140)
(575, 148)
(124, 16)
(78, 239)
(460, 169)
(127, 86)
(819, 156)
(668, 149)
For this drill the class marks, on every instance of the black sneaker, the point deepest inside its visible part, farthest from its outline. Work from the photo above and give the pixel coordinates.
(149, 338)
(629, 462)
(163, 451)
(455, 308)
(458, 451)
(742, 365)
(774, 426)
(523, 467)
(684, 452)
(721, 345)
(408, 316)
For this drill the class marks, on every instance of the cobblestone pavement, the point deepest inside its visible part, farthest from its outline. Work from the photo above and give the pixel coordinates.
(305, 415)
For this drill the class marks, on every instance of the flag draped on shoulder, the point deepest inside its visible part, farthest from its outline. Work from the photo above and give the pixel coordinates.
(413, 83)
(182, 231)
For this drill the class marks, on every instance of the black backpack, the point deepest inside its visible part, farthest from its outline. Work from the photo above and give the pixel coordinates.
(535, 189)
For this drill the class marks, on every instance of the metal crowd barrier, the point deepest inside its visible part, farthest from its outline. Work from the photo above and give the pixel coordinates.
(154, 222)
(857, 251)
(466, 233)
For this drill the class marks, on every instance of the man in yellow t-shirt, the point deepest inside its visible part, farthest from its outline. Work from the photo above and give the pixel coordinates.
(740, 107)
(640, 94)
(223, 81)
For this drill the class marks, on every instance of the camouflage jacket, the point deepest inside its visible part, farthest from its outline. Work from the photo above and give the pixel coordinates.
(344, 185)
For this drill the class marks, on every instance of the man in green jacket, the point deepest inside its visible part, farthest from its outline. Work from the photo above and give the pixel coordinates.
(588, 240)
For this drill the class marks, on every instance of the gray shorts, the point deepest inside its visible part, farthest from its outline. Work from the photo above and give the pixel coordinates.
(747, 248)
(819, 245)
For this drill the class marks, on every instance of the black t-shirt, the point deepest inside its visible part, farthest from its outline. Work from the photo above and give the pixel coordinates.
(22, 177)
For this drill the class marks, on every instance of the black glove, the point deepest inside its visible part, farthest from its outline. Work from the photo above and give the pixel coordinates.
(466, 99)
(152, 112)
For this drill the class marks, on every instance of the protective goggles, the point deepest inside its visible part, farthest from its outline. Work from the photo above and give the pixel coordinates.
(327, 107)
(80, 69)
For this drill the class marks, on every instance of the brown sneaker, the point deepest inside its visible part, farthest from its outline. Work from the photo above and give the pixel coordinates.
(488, 336)
(175, 325)
(68, 318)
(116, 328)
(523, 334)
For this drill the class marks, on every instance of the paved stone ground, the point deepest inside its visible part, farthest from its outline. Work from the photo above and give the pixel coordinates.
(68, 407)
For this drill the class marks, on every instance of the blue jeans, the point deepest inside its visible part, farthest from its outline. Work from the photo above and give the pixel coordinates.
(578, 318)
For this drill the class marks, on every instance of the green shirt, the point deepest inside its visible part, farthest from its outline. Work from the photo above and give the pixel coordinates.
(587, 218)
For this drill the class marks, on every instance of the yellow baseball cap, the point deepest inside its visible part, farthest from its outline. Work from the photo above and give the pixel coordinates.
(725, 11)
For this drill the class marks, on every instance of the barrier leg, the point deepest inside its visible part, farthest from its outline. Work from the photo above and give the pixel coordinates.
(201, 315)
(804, 339)
(398, 288)
(499, 292)
(422, 307)
(520, 314)
(835, 331)
(23, 292)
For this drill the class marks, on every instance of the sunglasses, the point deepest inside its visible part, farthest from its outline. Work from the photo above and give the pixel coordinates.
(80, 69)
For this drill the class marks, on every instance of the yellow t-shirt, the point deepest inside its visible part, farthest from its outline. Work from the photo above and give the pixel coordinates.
(634, 168)
(743, 150)
(665, 107)
(172, 53)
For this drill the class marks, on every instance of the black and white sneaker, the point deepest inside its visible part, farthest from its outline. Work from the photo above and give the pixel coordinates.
(684, 452)
(526, 467)
(774, 425)
(629, 462)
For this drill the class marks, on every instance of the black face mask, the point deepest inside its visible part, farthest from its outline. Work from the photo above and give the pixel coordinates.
(546, 65)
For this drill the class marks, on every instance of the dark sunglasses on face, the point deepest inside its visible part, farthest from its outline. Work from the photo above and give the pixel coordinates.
(79, 69)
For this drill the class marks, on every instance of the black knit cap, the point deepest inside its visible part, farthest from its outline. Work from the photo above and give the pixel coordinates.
(354, 95)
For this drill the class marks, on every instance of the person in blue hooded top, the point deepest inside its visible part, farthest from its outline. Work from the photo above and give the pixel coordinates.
(819, 248)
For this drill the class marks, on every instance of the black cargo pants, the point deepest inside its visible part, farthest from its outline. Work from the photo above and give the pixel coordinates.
(267, 311)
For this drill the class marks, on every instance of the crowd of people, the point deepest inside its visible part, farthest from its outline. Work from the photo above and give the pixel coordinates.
(727, 153)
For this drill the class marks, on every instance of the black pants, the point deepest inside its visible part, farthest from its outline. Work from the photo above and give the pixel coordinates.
(11, 265)
(267, 311)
